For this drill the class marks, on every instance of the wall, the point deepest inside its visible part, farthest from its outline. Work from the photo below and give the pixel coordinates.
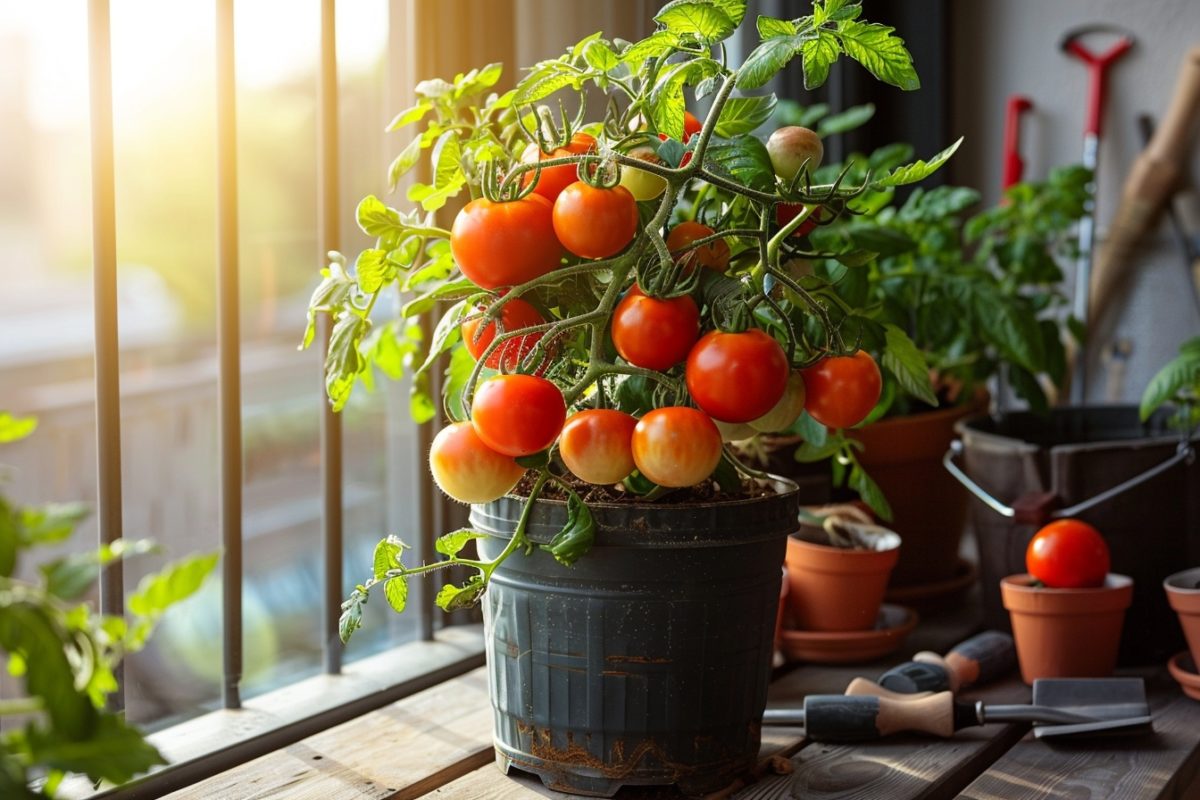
(1001, 47)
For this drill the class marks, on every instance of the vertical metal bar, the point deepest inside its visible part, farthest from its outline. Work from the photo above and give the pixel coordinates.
(229, 412)
(331, 423)
(104, 298)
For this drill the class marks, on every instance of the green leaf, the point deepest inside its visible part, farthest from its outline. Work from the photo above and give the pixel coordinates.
(769, 27)
(819, 53)
(451, 544)
(545, 84)
(445, 334)
(744, 114)
(404, 162)
(655, 45)
(344, 362)
(388, 555)
(700, 18)
(50, 523)
(1026, 386)
(745, 159)
(446, 291)
(375, 218)
(905, 361)
(870, 492)
(13, 429)
(456, 598)
(373, 270)
(883, 54)
(576, 537)
(1009, 328)
(880, 239)
(352, 610)
(599, 55)
(177, 581)
(72, 575)
(114, 751)
(919, 170)
(666, 102)
(848, 120)
(771, 56)
(1180, 374)
(329, 296)
(396, 592)
(457, 375)
(810, 452)
(410, 115)
(28, 630)
(534, 460)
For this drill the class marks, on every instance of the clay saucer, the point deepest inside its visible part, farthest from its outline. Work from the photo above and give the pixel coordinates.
(851, 647)
(1182, 669)
(935, 595)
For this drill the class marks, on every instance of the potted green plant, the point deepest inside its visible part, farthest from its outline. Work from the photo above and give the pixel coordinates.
(65, 654)
(590, 346)
(978, 295)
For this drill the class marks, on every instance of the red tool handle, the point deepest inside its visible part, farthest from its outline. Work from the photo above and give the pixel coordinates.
(1014, 167)
(1096, 63)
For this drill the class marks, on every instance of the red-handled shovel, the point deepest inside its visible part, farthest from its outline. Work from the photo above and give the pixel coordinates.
(1097, 64)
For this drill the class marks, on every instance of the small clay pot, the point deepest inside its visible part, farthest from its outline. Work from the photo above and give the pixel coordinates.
(833, 588)
(1066, 633)
(1183, 593)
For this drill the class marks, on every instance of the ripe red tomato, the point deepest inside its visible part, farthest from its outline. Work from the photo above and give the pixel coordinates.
(518, 415)
(515, 315)
(654, 333)
(552, 180)
(503, 244)
(1068, 554)
(842, 390)
(737, 377)
(691, 125)
(467, 469)
(596, 445)
(676, 446)
(714, 255)
(593, 222)
(786, 212)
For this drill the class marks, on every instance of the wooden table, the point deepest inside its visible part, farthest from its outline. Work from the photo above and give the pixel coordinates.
(437, 744)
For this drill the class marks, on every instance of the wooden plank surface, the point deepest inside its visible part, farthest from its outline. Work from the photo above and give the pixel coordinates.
(400, 751)
(1164, 764)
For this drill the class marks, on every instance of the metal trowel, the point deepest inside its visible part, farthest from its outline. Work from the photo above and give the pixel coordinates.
(1061, 707)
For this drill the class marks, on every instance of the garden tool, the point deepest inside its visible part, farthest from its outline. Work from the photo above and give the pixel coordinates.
(1061, 707)
(1097, 64)
(1152, 179)
(1014, 166)
(982, 658)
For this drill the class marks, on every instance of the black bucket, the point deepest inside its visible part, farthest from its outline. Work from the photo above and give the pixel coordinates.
(1028, 469)
(645, 663)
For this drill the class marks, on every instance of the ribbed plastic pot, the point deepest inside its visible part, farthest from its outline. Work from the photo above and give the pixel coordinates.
(647, 661)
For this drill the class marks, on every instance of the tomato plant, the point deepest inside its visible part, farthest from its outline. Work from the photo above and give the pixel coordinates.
(505, 244)
(518, 415)
(550, 294)
(652, 332)
(465, 468)
(676, 446)
(595, 221)
(1068, 554)
(516, 314)
(842, 390)
(596, 445)
(714, 255)
(737, 377)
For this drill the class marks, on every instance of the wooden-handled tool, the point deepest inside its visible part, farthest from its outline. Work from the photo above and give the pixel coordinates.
(850, 718)
(1152, 180)
(982, 658)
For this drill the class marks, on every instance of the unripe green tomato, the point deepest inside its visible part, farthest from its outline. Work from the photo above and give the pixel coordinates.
(734, 431)
(790, 147)
(641, 184)
(786, 411)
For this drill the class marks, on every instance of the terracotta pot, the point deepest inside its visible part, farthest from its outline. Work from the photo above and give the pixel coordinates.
(1183, 593)
(904, 456)
(836, 588)
(1066, 633)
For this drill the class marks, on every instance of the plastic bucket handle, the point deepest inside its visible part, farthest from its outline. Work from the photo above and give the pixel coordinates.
(1035, 508)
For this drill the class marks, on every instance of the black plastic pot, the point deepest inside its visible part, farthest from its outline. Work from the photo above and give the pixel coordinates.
(1029, 469)
(645, 663)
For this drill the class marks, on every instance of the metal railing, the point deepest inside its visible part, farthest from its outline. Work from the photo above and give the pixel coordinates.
(229, 413)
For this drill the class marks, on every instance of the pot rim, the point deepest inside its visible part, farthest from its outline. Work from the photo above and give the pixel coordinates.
(1019, 597)
(783, 487)
(1171, 581)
